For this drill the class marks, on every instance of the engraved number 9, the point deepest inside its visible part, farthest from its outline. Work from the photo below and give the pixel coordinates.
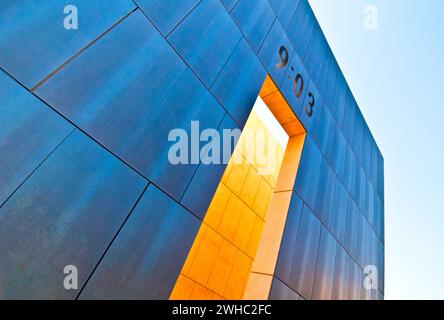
(283, 57)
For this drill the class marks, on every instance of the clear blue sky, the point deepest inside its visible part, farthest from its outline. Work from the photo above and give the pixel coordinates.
(397, 76)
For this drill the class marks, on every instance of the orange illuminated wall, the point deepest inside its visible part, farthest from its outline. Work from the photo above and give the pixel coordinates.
(236, 249)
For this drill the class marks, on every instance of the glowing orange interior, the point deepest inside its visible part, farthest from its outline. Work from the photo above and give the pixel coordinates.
(235, 251)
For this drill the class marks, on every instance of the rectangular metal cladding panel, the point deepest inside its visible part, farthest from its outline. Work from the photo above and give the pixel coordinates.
(326, 84)
(301, 28)
(305, 254)
(34, 41)
(349, 118)
(284, 9)
(145, 259)
(308, 175)
(325, 194)
(337, 106)
(351, 231)
(328, 126)
(342, 271)
(287, 251)
(254, 18)
(355, 281)
(325, 267)
(316, 53)
(238, 84)
(339, 213)
(205, 39)
(29, 132)
(167, 14)
(66, 213)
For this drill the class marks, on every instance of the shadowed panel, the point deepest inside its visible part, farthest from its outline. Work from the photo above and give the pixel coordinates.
(66, 213)
(145, 259)
(29, 132)
(33, 38)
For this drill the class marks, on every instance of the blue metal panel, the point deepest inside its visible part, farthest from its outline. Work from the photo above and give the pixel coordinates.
(380, 178)
(327, 83)
(339, 154)
(374, 250)
(306, 184)
(66, 213)
(304, 260)
(316, 53)
(145, 259)
(254, 18)
(148, 151)
(349, 117)
(342, 270)
(339, 212)
(285, 10)
(229, 4)
(301, 28)
(350, 169)
(357, 184)
(340, 99)
(365, 151)
(379, 223)
(29, 132)
(355, 282)
(238, 84)
(375, 218)
(200, 191)
(34, 42)
(328, 125)
(374, 164)
(351, 234)
(371, 203)
(381, 267)
(325, 267)
(382, 224)
(330, 141)
(365, 209)
(280, 291)
(357, 135)
(269, 53)
(364, 236)
(206, 39)
(325, 193)
(288, 245)
(113, 88)
(166, 14)
(362, 179)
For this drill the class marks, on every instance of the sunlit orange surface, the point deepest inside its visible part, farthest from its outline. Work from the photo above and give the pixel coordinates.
(235, 251)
